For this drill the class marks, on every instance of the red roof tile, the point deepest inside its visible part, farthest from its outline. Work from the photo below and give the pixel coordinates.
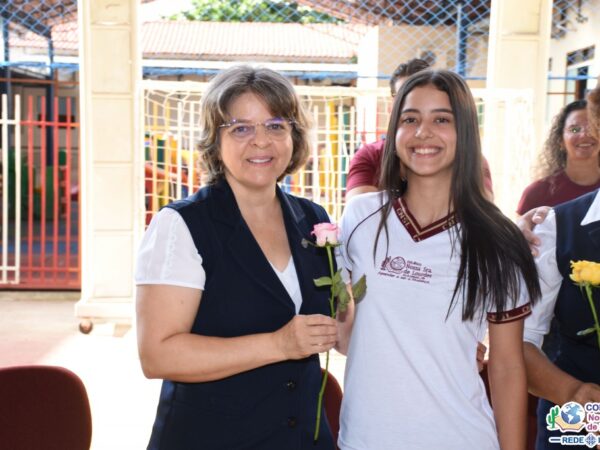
(272, 41)
(225, 41)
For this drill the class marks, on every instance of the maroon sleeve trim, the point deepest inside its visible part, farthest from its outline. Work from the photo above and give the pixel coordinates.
(510, 316)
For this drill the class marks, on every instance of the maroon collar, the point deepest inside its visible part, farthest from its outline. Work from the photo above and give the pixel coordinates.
(412, 226)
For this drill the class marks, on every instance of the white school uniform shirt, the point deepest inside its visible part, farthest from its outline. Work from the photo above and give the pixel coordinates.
(168, 255)
(411, 378)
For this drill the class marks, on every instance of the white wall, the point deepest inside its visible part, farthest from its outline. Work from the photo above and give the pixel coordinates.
(580, 35)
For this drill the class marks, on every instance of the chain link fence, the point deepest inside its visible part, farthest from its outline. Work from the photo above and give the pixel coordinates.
(449, 34)
(38, 37)
(325, 42)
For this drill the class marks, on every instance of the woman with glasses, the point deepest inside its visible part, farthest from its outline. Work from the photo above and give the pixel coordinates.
(227, 312)
(569, 161)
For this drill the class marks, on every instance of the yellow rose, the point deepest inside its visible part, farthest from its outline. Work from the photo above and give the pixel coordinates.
(585, 272)
(575, 277)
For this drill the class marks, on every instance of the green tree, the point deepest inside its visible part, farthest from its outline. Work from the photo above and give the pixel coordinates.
(253, 11)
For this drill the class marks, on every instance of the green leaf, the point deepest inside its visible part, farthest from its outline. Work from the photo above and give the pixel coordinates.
(343, 300)
(359, 289)
(336, 289)
(337, 278)
(323, 281)
(587, 331)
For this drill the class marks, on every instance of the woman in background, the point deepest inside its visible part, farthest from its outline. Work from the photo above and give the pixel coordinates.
(570, 161)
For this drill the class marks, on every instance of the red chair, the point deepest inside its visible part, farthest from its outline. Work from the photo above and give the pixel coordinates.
(43, 407)
(532, 402)
(332, 401)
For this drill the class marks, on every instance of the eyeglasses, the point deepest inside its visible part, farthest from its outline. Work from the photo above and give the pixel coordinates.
(275, 128)
(579, 129)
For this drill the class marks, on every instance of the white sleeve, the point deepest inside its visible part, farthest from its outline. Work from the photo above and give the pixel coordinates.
(537, 324)
(168, 255)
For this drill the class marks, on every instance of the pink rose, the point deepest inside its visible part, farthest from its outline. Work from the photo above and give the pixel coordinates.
(326, 233)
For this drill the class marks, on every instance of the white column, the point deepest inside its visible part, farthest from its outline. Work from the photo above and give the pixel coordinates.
(110, 192)
(517, 59)
(368, 69)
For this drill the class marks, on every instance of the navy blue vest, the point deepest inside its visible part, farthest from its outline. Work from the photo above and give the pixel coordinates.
(271, 407)
(578, 356)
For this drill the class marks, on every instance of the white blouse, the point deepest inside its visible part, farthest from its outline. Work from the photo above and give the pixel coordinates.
(168, 255)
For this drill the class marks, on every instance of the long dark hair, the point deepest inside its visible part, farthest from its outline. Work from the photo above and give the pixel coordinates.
(493, 253)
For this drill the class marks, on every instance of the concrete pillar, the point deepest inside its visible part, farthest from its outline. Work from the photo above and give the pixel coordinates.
(517, 59)
(110, 195)
(368, 70)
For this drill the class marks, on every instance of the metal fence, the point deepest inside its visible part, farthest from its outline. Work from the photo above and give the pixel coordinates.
(39, 192)
(40, 36)
(448, 33)
(34, 34)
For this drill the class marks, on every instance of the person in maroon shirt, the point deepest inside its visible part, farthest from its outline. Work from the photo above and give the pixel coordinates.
(569, 160)
(363, 175)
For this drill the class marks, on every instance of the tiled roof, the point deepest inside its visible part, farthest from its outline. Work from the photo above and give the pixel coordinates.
(273, 41)
(64, 38)
(225, 41)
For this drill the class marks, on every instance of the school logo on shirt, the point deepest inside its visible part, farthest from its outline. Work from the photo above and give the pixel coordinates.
(400, 268)
(572, 418)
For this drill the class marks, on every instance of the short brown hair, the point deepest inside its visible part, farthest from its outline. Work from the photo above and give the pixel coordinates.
(279, 96)
(405, 70)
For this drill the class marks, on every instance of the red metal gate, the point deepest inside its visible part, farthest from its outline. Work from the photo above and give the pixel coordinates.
(40, 242)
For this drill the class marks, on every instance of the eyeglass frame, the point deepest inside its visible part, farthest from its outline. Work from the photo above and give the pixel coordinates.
(585, 129)
(254, 125)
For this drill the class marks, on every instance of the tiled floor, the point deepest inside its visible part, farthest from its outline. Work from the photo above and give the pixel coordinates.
(40, 328)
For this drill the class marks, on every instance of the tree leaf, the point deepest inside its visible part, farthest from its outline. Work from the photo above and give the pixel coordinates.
(359, 289)
(323, 281)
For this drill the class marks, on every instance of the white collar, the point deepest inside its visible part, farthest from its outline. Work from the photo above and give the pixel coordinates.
(593, 214)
